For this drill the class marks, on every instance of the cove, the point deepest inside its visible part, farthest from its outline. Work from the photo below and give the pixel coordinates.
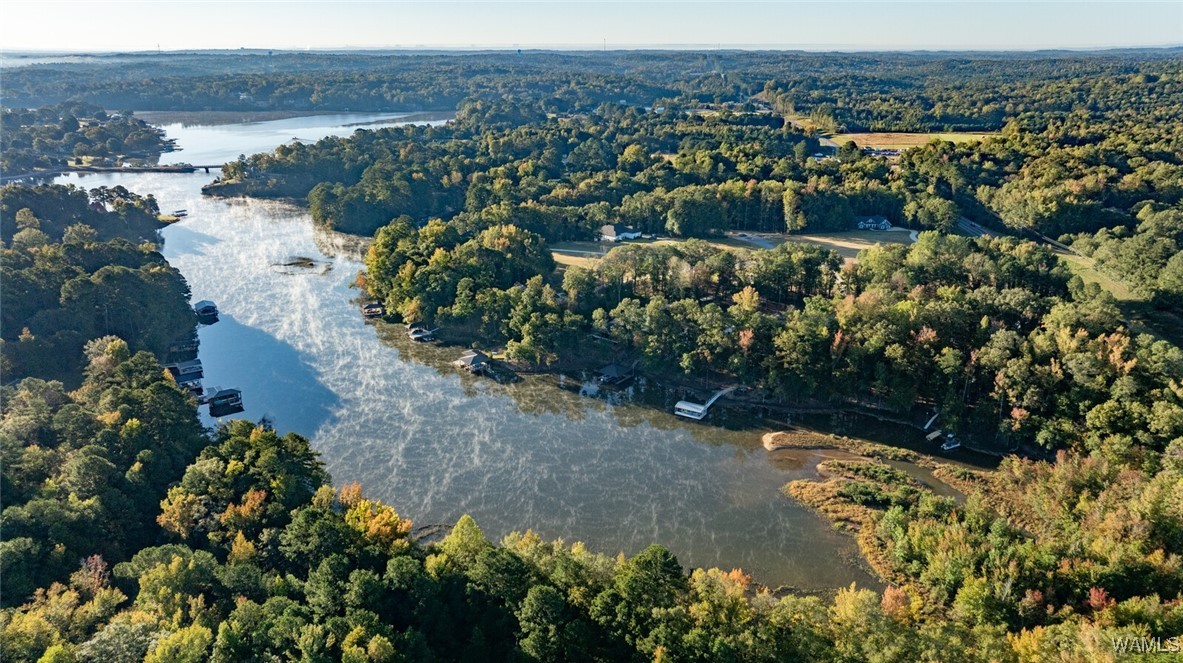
(618, 473)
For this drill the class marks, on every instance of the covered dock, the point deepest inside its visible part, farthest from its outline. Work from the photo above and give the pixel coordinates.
(615, 373)
(373, 310)
(699, 411)
(473, 361)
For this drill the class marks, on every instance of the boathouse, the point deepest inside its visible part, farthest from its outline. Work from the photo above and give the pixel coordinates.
(690, 410)
(373, 310)
(473, 361)
(206, 309)
(224, 402)
(614, 373)
(185, 371)
(226, 397)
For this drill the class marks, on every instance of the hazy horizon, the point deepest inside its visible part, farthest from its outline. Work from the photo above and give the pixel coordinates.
(590, 48)
(124, 26)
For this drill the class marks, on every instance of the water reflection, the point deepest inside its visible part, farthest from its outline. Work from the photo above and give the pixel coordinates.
(187, 240)
(280, 375)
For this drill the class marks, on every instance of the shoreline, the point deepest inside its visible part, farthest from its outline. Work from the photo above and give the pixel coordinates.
(702, 387)
(190, 118)
(872, 464)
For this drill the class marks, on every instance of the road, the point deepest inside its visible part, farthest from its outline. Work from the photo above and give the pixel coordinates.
(970, 228)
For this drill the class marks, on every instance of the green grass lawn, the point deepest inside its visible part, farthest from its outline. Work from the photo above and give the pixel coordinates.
(1087, 271)
(847, 243)
(583, 253)
(1141, 315)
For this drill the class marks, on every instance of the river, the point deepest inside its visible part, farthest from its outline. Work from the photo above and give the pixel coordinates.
(617, 473)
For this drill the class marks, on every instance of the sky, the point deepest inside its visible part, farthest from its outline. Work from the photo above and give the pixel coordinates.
(102, 25)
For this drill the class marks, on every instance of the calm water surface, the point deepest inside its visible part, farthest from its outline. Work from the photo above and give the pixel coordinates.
(219, 143)
(437, 444)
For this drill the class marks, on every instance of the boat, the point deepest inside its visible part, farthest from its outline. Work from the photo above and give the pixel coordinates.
(421, 335)
(933, 435)
(951, 443)
(180, 213)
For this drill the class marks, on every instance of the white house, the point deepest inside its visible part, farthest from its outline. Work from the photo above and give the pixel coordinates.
(615, 232)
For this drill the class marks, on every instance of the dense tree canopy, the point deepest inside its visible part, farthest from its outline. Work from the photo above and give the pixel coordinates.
(69, 275)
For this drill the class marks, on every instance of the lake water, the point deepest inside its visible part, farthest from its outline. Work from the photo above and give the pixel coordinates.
(435, 443)
(206, 144)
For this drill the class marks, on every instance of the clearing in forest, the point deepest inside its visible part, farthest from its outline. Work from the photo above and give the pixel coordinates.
(847, 243)
(902, 141)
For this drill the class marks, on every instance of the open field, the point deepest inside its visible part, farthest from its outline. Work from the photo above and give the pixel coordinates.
(1085, 269)
(579, 254)
(801, 121)
(575, 259)
(848, 243)
(1140, 314)
(901, 141)
(585, 254)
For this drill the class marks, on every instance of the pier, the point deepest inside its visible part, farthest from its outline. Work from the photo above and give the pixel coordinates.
(109, 169)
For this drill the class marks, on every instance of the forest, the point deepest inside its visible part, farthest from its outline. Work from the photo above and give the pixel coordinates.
(78, 265)
(131, 533)
(859, 91)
